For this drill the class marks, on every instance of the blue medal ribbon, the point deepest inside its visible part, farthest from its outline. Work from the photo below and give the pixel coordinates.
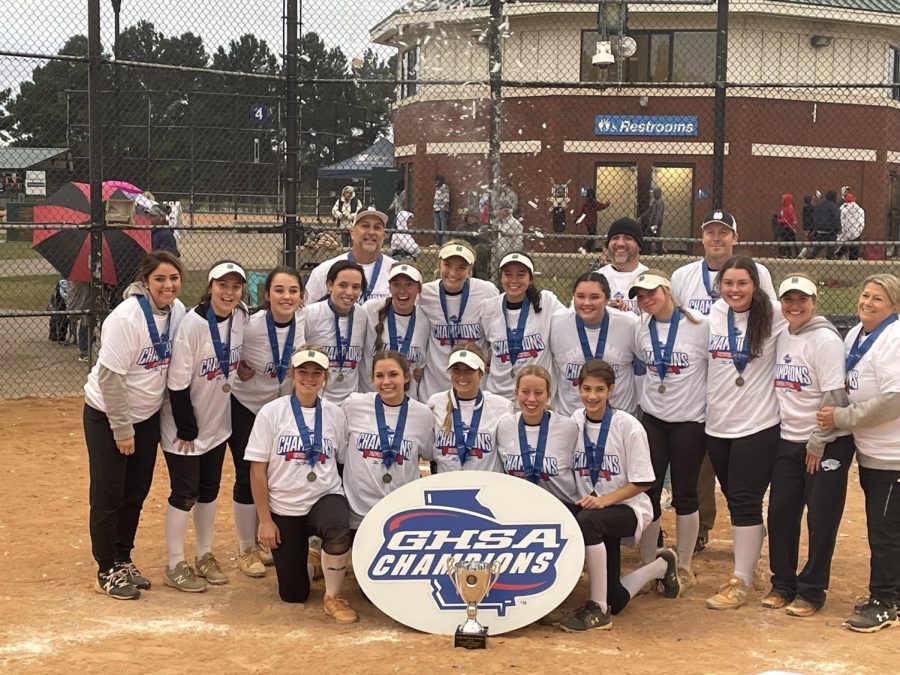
(341, 351)
(370, 285)
(312, 446)
(280, 362)
(515, 337)
(601, 341)
(531, 469)
(403, 344)
(390, 447)
(595, 451)
(160, 342)
(662, 357)
(739, 357)
(223, 352)
(463, 301)
(466, 442)
(857, 351)
(704, 274)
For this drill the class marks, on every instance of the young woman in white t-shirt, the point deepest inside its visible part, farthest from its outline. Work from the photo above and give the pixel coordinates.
(590, 331)
(742, 422)
(811, 466)
(196, 422)
(293, 452)
(673, 341)
(271, 336)
(339, 327)
(613, 468)
(122, 398)
(517, 324)
(466, 418)
(388, 434)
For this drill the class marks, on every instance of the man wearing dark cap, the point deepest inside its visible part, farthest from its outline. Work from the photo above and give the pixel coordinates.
(624, 241)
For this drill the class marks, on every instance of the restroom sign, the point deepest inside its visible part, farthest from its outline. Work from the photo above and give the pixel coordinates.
(645, 125)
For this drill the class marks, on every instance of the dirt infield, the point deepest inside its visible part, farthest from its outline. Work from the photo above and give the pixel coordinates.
(53, 622)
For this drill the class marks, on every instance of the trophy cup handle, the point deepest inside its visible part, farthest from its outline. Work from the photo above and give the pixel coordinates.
(495, 576)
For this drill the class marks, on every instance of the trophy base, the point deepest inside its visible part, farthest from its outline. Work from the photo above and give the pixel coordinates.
(470, 640)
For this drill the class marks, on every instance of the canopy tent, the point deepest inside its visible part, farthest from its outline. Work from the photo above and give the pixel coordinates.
(378, 155)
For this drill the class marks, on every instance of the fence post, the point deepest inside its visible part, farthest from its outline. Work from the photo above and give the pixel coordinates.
(495, 118)
(95, 169)
(292, 164)
(718, 169)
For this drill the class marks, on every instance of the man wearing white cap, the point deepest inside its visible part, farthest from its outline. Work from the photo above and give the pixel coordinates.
(367, 234)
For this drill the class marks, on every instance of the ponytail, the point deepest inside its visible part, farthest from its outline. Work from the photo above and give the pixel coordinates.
(379, 327)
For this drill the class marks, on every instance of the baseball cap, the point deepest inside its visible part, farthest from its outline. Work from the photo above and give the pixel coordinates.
(301, 356)
(721, 217)
(467, 358)
(223, 268)
(519, 258)
(801, 284)
(371, 211)
(405, 270)
(450, 250)
(648, 280)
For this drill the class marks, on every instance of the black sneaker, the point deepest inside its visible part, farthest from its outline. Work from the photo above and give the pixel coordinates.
(134, 575)
(670, 584)
(872, 616)
(115, 583)
(588, 617)
(702, 540)
(862, 603)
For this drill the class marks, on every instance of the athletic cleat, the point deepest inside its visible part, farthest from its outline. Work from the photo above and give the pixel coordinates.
(702, 540)
(553, 618)
(339, 609)
(183, 578)
(872, 617)
(670, 584)
(730, 596)
(801, 607)
(250, 563)
(686, 578)
(775, 600)
(314, 560)
(116, 584)
(265, 554)
(134, 575)
(209, 568)
(587, 617)
(760, 578)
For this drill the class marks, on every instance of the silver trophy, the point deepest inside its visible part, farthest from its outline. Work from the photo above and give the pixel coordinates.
(473, 580)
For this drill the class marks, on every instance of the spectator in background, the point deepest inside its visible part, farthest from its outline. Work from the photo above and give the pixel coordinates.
(826, 224)
(403, 244)
(79, 299)
(786, 225)
(509, 234)
(507, 194)
(652, 221)
(853, 222)
(162, 238)
(588, 216)
(441, 209)
(344, 212)
(807, 216)
(398, 203)
(479, 241)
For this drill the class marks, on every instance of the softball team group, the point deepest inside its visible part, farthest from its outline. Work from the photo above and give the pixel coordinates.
(329, 405)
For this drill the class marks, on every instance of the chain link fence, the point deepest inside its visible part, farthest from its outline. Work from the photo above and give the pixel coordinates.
(539, 117)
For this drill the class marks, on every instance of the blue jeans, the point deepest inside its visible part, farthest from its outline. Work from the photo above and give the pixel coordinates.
(441, 219)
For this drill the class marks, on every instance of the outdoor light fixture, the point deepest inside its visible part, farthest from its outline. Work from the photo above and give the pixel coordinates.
(820, 40)
(611, 19)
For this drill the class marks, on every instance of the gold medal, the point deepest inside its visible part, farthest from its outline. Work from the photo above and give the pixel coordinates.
(226, 387)
(311, 476)
(340, 377)
(739, 381)
(661, 388)
(387, 478)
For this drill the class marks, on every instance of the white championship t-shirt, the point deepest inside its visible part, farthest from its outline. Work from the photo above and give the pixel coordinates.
(364, 469)
(257, 353)
(620, 283)
(126, 349)
(734, 411)
(484, 456)
(276, 439)
(316, 287)
(626, 459)
(557, 469)
(535, 343)
(689, 290)
(343, 379)
(195, 365)
(569, 358)
(415, 351)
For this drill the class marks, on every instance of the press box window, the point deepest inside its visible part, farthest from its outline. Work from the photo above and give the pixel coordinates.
(894, 72)
(409, 70)
(662, 56)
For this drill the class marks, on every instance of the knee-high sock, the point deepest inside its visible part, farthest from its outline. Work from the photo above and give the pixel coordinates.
(649, 541)
(748, 541)
(635, 581)
(246, 523)
(204, 526)
(176, 530)
(334, 567)
(596, 565)
(686, 530)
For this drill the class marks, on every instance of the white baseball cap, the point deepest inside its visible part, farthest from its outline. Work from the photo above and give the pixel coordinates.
(801, 284)
(647, 281)
(371, 211)
(450, 250)
(226, 268)
(467, 358)
(405, 270)
(519, 258)
(301, 356)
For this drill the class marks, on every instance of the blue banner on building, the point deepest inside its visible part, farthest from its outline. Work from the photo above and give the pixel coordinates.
(645, 125)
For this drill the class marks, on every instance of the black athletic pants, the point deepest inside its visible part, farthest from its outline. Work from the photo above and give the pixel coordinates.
(882, 491)
(681, 445)
(242, 420)
(119, 485)
(609, 526)
(194, 478)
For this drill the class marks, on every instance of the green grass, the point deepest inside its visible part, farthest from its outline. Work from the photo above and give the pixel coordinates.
(13, 250)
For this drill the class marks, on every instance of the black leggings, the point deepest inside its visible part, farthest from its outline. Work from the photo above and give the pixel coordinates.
(328, 519)
(242, 420)
(194, 478)
(681, 445)
(609, 526)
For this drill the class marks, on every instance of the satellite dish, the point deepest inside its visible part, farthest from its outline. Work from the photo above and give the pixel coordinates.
(624, 46)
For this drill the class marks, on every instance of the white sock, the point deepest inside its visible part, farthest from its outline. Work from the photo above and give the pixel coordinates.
(635, 581)
(311, 573)
(596, 564)
(748, 541)
(334, 567)
(176, 530)
(246, 523)
(649, 541)
(204, 526)
(686, 530)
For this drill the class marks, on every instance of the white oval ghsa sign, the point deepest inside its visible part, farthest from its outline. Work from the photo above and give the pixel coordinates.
(402, 547)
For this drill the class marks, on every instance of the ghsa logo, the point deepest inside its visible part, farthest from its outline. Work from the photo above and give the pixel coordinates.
(418, 543)
(791, 376)
(149, 359)
(677, 363)
(445, 443)
(210, 369)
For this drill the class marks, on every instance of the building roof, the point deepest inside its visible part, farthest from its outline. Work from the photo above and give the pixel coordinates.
(25, 158)
(886, 6)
